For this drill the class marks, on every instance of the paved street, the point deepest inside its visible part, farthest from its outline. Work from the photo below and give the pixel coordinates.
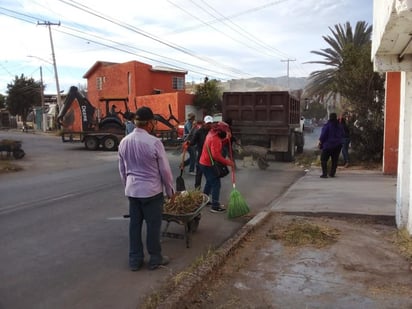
(64, 238)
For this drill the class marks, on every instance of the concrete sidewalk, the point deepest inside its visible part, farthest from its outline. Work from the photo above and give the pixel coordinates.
(362, 269)
(358, 192)
(278, 276)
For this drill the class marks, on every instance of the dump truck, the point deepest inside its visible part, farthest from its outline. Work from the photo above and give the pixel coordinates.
(266, 119)
(102, 125)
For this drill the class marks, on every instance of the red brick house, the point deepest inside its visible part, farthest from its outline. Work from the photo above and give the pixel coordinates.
(142, 84)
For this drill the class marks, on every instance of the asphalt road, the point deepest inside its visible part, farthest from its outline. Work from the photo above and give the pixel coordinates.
(64, 239)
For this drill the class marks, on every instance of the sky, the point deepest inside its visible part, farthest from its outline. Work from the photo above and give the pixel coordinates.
(223, 40)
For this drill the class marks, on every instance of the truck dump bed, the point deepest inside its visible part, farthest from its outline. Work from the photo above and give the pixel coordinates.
(259, 117)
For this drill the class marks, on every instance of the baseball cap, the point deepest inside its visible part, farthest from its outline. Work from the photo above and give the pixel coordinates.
(208, 119)
(144, 114)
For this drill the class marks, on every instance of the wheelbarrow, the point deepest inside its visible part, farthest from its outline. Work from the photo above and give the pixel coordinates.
(12, 147)
(190, 221)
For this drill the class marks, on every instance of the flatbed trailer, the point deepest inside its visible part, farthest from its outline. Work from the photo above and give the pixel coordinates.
(94, 140)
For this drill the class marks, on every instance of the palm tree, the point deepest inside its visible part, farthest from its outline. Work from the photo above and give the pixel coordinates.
(350, 74)
(324, 82)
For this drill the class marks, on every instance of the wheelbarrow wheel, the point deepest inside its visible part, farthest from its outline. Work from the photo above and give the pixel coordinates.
(18, 153)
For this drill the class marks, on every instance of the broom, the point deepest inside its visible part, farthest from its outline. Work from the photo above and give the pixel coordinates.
(180, 182)
(237, 204)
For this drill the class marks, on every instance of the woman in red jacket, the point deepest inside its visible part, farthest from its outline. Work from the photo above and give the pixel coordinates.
(213, 147)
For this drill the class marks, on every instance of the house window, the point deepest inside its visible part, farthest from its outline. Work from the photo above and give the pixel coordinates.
(178, 83)
(99, 82)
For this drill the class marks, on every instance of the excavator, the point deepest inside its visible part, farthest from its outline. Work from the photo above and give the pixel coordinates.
(81, 121)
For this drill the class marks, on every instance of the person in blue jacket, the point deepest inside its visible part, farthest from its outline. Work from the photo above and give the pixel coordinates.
(330, 142)
(129, 124)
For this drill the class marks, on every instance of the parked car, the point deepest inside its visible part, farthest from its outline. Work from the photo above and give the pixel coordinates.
(308, 126)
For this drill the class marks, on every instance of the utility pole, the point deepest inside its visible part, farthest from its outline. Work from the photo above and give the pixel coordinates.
(49, 24)
(288, 60)
(44, 116)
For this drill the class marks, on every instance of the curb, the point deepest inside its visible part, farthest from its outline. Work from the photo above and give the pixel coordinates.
(175, 297)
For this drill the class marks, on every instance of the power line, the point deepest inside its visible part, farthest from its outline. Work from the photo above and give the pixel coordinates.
(122, 50)
(150, 36)
(133, 53)
(214, 28)
(240, 30)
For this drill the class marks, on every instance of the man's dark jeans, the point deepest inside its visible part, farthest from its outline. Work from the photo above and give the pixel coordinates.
(150, 210)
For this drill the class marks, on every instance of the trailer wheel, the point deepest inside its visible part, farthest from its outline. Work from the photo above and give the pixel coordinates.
(91, 143)
(18, 153)
(110, 143)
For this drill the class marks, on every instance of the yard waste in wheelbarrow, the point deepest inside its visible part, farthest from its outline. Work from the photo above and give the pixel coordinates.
(184, 209)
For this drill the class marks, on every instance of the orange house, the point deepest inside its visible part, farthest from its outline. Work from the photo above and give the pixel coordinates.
(160, 88)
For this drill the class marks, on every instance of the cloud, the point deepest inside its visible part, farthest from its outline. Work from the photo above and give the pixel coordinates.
(220, 39)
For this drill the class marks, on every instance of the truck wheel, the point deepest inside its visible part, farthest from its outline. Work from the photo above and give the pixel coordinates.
(290, 155)
(110, 143)
(300, 142)
(91, 143)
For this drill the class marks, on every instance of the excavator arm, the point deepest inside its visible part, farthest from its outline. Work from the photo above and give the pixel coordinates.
(87, 110)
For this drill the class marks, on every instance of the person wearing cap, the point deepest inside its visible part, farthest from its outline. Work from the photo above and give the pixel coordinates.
(198, 140)
(189, 129)
(213, 148)
(146, 174)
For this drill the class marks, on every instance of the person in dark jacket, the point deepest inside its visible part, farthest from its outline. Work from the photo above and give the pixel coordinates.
(228, 143)
(189, 130)
(330, 142)
(198, 140)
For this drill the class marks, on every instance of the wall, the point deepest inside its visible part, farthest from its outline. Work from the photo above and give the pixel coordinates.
(160, 105)
(391, 134)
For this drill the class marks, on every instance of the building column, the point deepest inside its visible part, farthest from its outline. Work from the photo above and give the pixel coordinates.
(391, 132)
(403, 202)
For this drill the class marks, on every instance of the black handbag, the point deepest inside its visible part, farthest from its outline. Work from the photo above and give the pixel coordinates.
(220, 169)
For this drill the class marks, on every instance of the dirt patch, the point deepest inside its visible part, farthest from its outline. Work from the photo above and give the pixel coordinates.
(7, 166)
(362, 267)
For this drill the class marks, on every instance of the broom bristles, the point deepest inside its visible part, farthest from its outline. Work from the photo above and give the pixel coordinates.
(237, 205)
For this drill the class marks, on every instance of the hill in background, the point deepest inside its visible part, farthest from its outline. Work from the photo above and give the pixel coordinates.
(265, 84)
